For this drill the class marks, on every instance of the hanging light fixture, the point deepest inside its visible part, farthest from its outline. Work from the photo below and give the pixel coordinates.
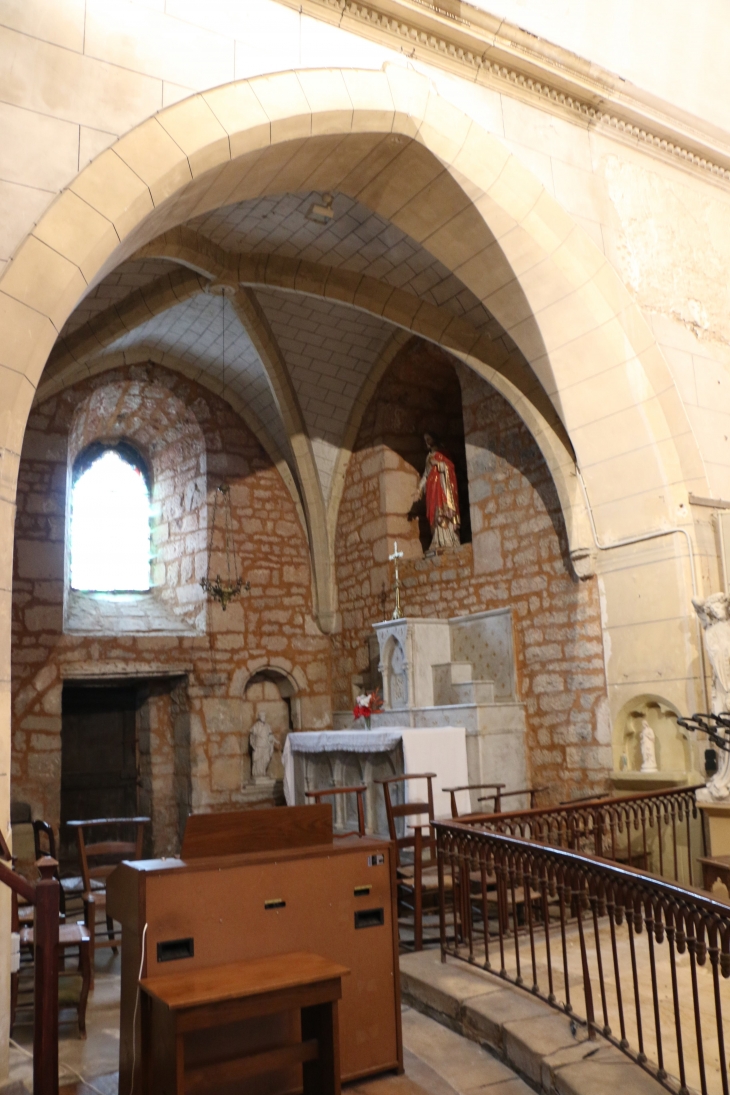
(225, 589)
(219, 589)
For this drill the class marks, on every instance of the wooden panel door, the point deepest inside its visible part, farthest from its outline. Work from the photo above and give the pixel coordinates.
(98, 754)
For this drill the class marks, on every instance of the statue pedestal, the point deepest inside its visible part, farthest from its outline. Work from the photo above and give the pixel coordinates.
(717, 827)
(262, 791)
(635, 782)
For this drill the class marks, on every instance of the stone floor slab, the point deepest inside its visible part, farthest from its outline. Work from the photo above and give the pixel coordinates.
(515, 1086)
(605, 1076)
(465, 1064)
(484, 1016)
(443, 986)
(527, 1042)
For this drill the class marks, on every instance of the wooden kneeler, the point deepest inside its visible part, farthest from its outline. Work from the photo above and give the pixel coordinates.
(181, 1004)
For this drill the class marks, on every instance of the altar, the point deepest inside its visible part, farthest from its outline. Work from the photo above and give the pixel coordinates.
(457, 672)
(315, 761)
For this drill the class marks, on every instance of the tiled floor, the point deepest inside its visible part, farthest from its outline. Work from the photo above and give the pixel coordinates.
(437, 1061)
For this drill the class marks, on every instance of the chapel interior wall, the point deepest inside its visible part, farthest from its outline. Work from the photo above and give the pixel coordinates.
(197, 735)
(518, 559)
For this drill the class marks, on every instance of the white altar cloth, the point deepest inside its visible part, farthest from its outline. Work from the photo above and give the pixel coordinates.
(441, 750)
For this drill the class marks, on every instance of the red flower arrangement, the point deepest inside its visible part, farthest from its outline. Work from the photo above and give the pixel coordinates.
(371, 703)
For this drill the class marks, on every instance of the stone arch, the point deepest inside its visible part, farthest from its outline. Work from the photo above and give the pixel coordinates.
(436, 173)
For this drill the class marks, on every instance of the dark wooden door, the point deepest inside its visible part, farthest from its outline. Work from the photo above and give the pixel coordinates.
(98, 754)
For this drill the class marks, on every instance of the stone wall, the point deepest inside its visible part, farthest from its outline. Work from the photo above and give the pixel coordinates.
(197, 714)
(167, 434)
(518, 558)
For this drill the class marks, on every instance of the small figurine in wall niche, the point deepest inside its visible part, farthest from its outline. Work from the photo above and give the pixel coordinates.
(647, 741)
(648, 749)
(438, 483)
(262, 743)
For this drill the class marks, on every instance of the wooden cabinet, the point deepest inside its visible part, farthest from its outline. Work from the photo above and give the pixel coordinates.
(336, 899)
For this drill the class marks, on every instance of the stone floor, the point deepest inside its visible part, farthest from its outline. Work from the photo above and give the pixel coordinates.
(437, 1061)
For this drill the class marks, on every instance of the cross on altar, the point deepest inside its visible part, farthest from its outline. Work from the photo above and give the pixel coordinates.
(397, 614)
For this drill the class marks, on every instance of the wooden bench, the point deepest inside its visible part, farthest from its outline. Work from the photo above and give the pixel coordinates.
(177, 1005)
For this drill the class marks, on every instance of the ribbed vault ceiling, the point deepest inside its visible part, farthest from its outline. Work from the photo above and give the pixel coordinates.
(301, 364)
(355, 239)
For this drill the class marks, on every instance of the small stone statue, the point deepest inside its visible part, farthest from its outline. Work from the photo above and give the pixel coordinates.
(648, 750)
(438, 483)
(262, 743)
(713, 615)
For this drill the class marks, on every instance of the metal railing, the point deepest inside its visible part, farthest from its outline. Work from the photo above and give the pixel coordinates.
(44, 895)
(658, 831)
(640, 960)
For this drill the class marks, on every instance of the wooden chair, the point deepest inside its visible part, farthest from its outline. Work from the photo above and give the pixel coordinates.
(416, 865)
(359, 791)
(44, 840)
(98, 860)
(497, 798)
(470, 787)
(73, 989)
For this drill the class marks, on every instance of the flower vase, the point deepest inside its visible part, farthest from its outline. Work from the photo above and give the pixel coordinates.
(367, 721)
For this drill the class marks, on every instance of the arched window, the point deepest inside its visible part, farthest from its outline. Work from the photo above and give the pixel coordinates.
(110, 520)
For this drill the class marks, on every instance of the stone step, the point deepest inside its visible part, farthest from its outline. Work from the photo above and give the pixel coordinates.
(447, 675)
(473, 692)
(531, 1037)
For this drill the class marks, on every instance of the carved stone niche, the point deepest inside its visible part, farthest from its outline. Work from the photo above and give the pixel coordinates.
(673, 758)
(396, 676)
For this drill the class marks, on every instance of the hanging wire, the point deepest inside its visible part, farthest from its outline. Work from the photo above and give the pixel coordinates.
(217, 589)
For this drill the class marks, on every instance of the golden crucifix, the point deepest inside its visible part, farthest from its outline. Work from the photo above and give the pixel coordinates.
(397, 614)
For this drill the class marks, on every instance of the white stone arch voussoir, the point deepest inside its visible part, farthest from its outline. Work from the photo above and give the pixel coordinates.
(555, 293)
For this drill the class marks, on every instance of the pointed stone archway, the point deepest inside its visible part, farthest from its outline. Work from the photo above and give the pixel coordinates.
(388, 139)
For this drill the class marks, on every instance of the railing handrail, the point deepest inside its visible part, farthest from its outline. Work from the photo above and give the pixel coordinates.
(45, 896)
(16, 882)
(517, 898)
(583, 805)
(617, 871)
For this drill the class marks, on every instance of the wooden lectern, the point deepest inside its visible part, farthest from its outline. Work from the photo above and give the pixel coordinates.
(255, 884)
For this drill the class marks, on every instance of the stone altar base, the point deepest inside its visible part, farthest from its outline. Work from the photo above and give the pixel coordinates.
(340, 758)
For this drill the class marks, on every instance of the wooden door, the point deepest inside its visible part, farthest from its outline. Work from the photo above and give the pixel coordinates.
(98, 754)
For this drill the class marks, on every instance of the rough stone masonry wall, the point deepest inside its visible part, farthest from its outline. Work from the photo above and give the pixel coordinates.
(518, 558)
(270, 626)
(169, 437)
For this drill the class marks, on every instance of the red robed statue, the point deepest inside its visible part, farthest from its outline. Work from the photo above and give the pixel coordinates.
(438, 482)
